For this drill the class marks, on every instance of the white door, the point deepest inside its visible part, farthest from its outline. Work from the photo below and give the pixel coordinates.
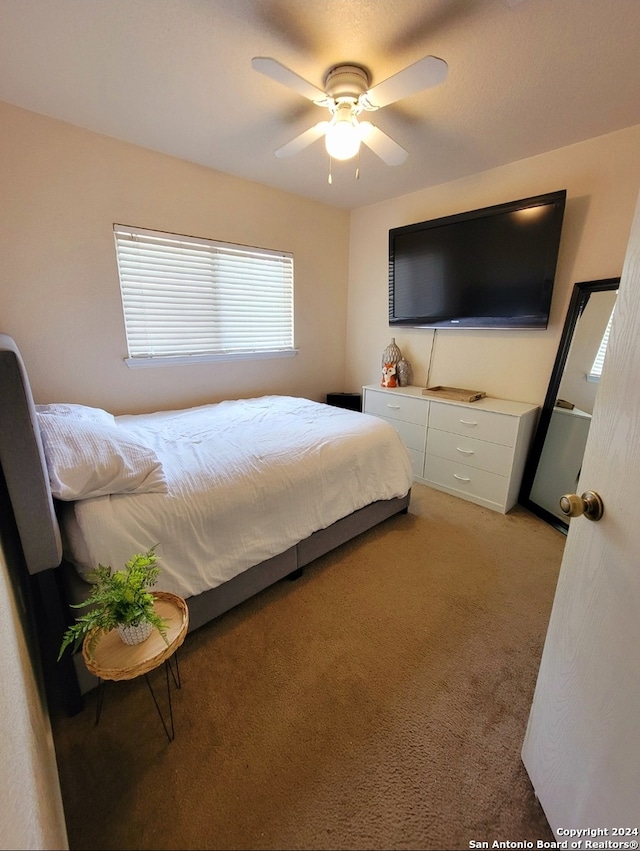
(582, 745)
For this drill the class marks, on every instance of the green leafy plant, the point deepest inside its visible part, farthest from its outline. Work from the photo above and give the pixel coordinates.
(117, 597)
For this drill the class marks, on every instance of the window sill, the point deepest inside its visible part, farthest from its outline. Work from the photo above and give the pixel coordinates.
(183, 360)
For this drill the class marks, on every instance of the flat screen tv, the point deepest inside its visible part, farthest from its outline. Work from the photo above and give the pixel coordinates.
(487, 268)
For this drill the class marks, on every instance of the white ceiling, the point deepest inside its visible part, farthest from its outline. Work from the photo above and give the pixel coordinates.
(525, 76)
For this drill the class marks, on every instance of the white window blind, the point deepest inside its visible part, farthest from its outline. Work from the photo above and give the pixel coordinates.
(184, 297)
(596, 369)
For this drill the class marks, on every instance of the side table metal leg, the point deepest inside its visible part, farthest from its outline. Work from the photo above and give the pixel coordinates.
(176, 676)
(170, 733)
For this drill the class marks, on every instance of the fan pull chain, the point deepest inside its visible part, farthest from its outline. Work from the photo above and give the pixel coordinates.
(357, 173)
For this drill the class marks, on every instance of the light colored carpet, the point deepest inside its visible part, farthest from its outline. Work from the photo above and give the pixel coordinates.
(379, 702)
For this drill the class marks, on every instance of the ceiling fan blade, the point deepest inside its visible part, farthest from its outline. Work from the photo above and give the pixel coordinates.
(303, 140)
(426, 72)
(382, 145)
(281, 74)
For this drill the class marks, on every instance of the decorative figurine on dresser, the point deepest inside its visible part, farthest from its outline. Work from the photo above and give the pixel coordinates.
(396, 369)
(389, 375)
(390, 357)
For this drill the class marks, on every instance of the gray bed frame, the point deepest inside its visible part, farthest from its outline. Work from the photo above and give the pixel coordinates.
(55, 583)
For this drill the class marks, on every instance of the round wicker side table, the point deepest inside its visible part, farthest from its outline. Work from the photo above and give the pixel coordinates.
(112, 659)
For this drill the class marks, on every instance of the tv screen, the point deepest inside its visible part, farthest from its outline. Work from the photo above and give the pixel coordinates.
(488, 268)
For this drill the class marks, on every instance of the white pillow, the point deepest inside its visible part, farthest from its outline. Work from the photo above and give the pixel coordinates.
(80, 412)
(87, 458)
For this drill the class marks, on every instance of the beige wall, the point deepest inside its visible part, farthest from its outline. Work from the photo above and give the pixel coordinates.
(62, 190)
(64, 187)
(31, 811)
(601, 176)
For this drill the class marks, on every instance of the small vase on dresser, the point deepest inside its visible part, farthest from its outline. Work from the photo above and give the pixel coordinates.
(403, 370)
(391, 354)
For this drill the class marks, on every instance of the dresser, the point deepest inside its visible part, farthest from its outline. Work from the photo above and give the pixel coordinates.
(475, 450)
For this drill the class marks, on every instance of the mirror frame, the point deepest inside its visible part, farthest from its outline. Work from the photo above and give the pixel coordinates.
(579, 298)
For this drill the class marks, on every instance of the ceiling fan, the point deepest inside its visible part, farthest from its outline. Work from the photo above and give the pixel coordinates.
(346, 95)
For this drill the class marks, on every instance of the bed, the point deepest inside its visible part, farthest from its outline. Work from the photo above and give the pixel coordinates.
(236, 495)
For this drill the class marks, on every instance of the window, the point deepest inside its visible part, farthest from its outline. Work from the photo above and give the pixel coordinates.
(187, 299)
(596, 369)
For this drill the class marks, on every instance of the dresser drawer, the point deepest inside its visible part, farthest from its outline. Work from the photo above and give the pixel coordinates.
(412, 435)
(417, 462)
(396, 407)
(461, 449)
(460, 478)
(483, 425)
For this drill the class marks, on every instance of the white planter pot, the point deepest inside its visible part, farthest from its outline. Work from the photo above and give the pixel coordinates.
(135, 634)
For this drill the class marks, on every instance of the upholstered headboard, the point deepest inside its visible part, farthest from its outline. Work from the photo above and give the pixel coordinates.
(23, 464)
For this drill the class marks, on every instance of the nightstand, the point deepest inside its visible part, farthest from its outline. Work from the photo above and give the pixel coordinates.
(112, 659)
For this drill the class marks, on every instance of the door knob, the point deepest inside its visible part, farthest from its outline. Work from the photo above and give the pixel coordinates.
(590, 504)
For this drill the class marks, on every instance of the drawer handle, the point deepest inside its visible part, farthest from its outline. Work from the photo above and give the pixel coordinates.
(461, 478)
(465, 451)
(468, 422)
(394, 407)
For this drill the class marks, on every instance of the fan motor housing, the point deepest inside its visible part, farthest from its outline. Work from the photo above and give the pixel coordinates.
(346, 81)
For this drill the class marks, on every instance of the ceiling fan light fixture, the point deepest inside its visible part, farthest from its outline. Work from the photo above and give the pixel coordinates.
(342, 137)
(346, 95)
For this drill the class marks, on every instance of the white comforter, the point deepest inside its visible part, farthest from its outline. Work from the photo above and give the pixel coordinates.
(247, 479)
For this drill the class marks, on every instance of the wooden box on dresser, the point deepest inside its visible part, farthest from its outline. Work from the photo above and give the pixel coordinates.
(474, 450)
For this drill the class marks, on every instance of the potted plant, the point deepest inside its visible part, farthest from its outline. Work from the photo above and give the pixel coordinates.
(119, 599)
